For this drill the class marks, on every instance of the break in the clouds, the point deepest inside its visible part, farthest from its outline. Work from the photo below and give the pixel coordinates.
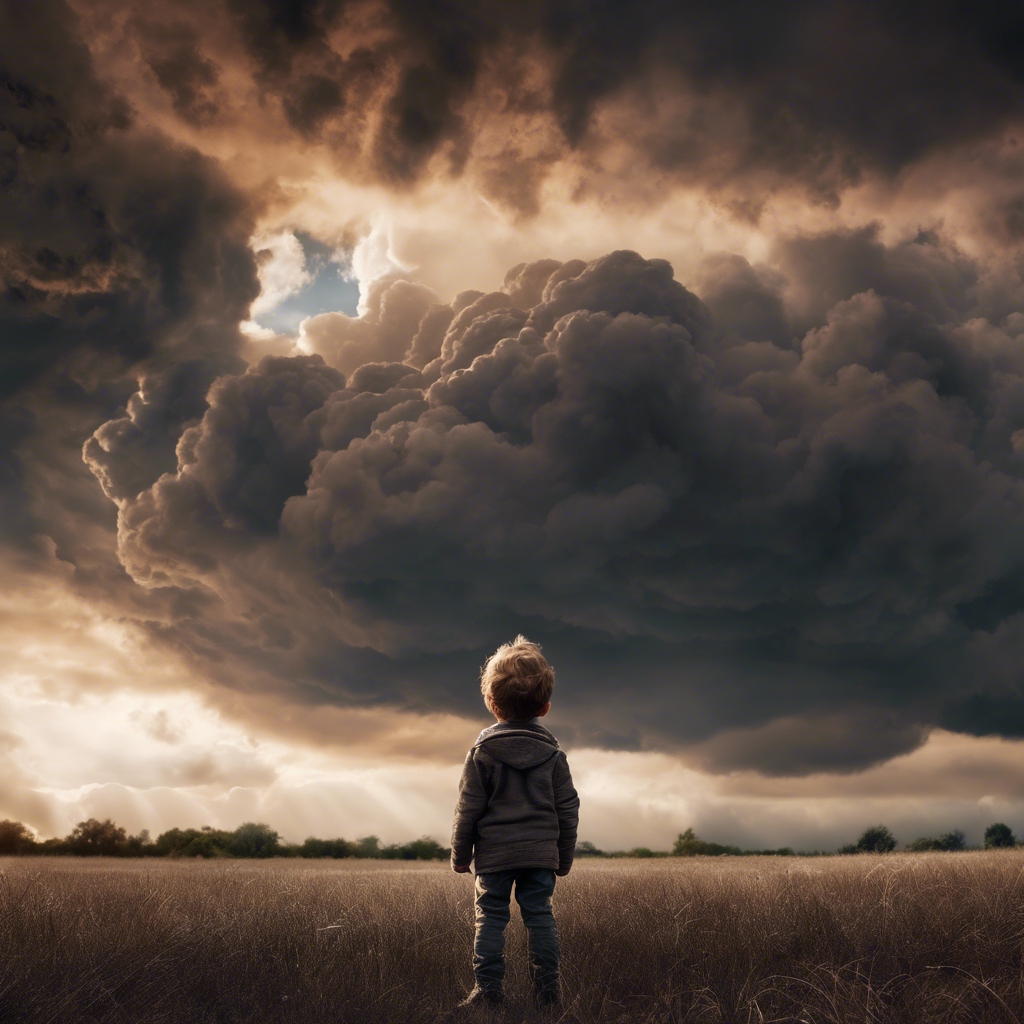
(739, 437)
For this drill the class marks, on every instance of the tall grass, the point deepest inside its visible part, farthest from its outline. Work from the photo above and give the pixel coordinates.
(933, 937)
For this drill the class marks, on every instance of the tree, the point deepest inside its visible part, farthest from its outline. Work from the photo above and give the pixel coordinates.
(254, 839)
(876, 839)
(588, 849)
(140, 845)
(953, 841)
(94, 838)
(368, 846)
(687, 844)
(15, 838)
(998, 836)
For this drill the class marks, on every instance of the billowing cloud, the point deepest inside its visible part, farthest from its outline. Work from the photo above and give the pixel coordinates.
(806, 510)
(394, 309)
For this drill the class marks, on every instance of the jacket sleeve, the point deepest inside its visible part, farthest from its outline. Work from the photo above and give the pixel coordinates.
(567, 806)
(470, 807)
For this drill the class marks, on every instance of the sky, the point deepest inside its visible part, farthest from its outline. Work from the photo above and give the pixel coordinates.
(342, 341)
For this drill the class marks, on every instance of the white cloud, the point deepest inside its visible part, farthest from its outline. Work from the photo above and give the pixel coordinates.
(282, 269)
(374, 257)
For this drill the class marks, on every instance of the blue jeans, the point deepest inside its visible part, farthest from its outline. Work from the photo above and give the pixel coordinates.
(534, 887)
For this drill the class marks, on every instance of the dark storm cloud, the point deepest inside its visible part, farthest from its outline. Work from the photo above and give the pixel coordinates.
(792, 92)
(293, 57)
(798, 513)
(781, 523)
(827, 90)
(124, 258)
(173, 53)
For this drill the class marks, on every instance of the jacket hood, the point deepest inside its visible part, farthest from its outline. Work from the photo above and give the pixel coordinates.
(518, 744)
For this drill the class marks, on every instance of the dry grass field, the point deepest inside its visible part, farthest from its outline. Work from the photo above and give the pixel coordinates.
(935, 937)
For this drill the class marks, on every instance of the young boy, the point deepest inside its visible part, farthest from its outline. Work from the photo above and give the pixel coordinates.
(516, 820)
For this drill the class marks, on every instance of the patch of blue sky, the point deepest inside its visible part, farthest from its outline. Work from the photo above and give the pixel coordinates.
(329, 291)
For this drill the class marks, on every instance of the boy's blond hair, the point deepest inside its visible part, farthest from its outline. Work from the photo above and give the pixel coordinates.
(517, 681)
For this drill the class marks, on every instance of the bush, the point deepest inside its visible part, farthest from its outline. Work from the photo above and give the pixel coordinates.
(999, 836)
(336, 848)
(193, 842)
(205, 844)
(423, 848)
(951, 842)
(588, 849)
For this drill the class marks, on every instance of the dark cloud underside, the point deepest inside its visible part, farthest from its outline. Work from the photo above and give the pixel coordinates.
(709, 532)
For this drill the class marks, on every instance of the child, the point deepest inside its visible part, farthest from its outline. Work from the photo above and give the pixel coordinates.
(516, 820)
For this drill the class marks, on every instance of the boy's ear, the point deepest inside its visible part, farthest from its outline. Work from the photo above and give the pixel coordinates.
(544, 710)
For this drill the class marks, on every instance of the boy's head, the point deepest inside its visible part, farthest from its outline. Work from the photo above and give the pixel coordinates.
(517, 681)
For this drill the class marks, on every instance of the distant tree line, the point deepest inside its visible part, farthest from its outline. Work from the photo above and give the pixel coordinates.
(878, 839)
(686, 845)
(95, 838)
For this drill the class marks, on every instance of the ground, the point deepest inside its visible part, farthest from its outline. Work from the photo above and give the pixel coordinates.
(898, 937)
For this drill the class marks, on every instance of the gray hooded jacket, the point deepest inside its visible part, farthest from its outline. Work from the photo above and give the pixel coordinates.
(517, 806)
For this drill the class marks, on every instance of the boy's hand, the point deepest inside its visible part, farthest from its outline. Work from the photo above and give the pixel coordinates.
(462, 869)
(561, 872)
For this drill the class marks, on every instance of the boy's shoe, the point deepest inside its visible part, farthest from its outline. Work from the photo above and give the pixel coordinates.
(482, 997)
(547, 998)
